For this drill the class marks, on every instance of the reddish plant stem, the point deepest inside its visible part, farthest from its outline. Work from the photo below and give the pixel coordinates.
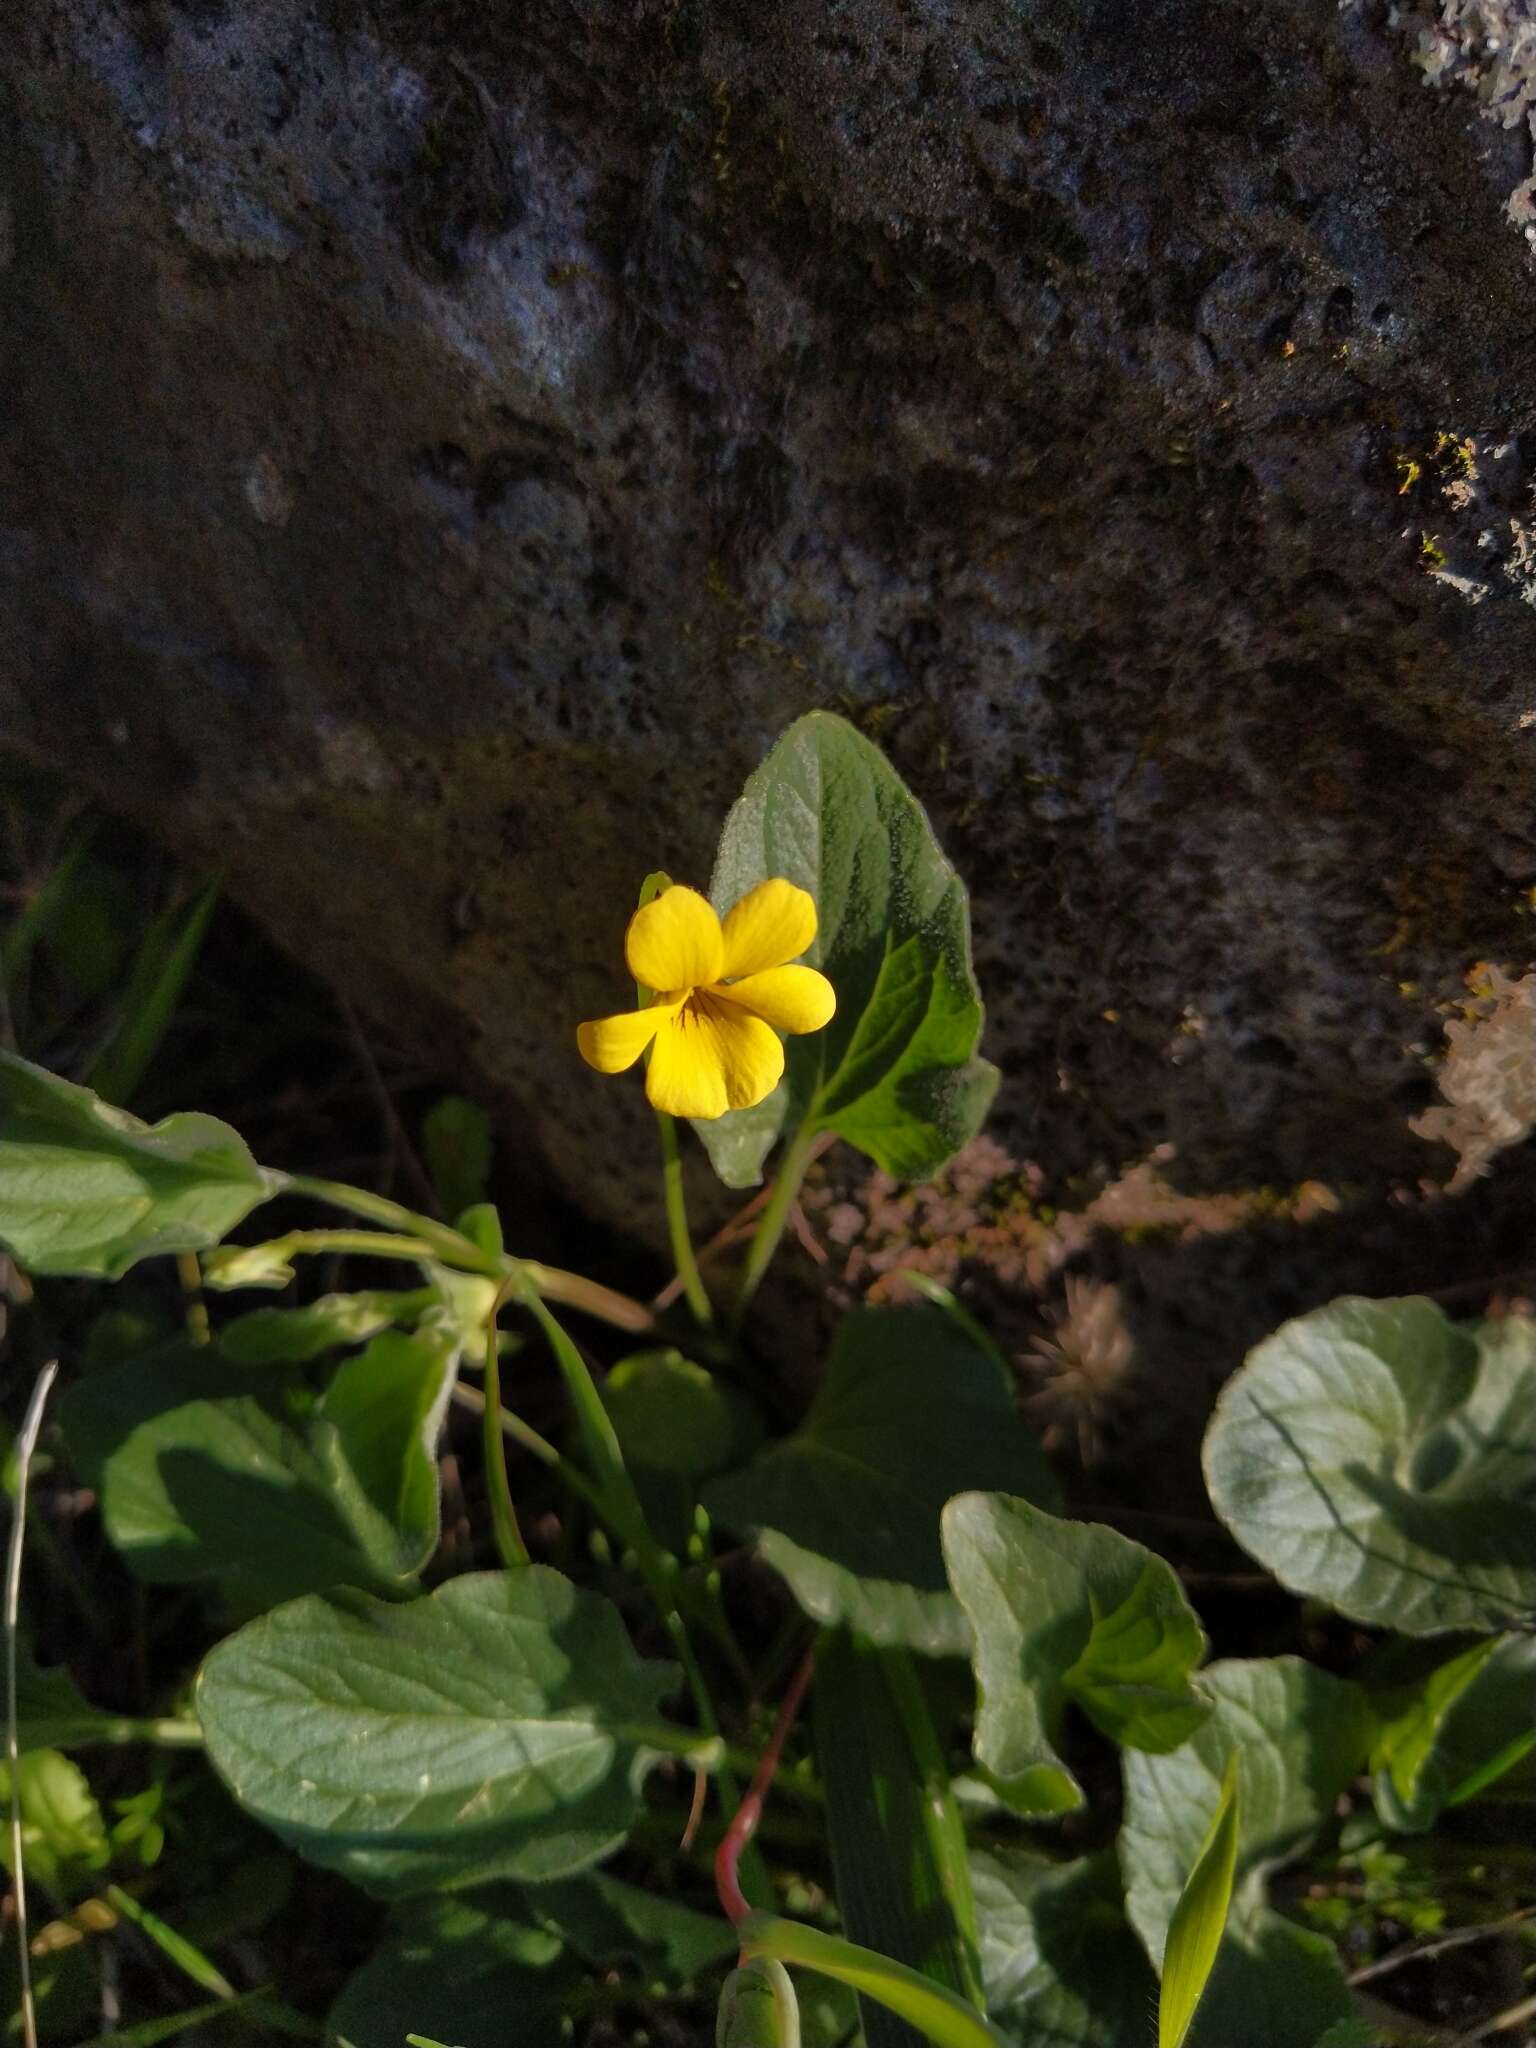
(744, 1826)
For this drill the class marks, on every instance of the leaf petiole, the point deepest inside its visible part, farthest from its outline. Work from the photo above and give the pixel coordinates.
(798, 1155)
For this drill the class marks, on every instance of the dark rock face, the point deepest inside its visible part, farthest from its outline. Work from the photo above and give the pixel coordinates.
(443, 444)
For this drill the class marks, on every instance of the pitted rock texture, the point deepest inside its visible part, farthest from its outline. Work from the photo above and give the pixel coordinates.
(444, 444)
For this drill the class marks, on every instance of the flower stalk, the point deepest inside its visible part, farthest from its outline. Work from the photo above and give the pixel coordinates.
(683, 1259)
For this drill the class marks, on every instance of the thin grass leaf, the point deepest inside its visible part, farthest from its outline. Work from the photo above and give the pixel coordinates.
(186, 1956)
(1489, 1773)
(1199, 1919)
(165, 959)
(256, 2005)
(898, 1844)
(39, 912)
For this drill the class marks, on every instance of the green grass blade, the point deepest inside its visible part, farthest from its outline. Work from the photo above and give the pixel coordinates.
(898, 1844)
(1489, 1773)
(255, 2005)
(35, 919)
(1199, 1919)
(947, 2020)
(187, 1957)
(166, 957)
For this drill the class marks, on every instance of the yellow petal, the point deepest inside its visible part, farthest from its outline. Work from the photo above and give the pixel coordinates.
(772, 923)
(675, 942)
(613, 1043)
(686, 1076)
(713, 1057)
(788, 998)
(750, 1052)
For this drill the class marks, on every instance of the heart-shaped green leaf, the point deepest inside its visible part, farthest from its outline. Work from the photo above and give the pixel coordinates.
(457, 1145)
(494, 1730)
(672, 1416)
(607, 1921)
(505, 1964)
(206, 1473)
(1060, 1962)
(911, 1410)
(1275, 1985)
(1379, 1457)
(1300, 1736)
(1067, 1612)
(895, 1072)
(477, 1968)
(85, 1188)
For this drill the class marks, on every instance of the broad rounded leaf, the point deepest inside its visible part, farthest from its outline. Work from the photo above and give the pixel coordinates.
(477, 1969)
(88, 1189)
(673, 1416)
(911, 1410)
(502, 1966)
(895, 1072)
(1381, 1458)
(607, 1921)
(494, 1730)
(1300, 1736)
(1275, 1985)
(457, 1146)
(206, 1473)
(1061, 1965)
(1067, 1612)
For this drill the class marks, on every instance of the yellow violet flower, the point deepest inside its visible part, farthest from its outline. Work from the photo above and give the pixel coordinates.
(723, 994)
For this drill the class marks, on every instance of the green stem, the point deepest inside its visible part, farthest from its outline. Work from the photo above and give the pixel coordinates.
(378, 1244)
(449, 1245)
(606, 1304)
(540, 1446)
(657, 1568)
(454, 1249)
(598, 1435)
(704, 1752)
(167, 1734)
(509, 1537)
(770, 1225)
(677, 1222)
